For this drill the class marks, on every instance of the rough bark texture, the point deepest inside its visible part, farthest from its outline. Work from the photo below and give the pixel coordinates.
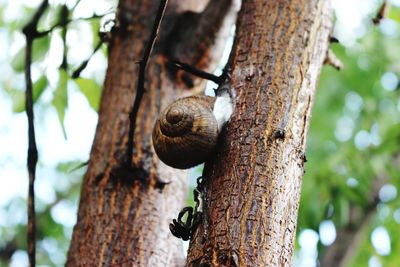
(253, 183)
(124, 214)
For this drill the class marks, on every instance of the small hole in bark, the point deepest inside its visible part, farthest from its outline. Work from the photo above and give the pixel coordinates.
(279, 134)
(160, 185)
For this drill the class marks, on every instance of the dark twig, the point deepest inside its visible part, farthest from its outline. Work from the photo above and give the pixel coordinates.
(63, 18)
(84, 64)
(382, 13)
(196, 72)
(202, 74)
(31, 33)
(76, 4)
(333, 40)
(67, 21)
(141, 78)
(332, 60)
(79, 166)
(7, 249)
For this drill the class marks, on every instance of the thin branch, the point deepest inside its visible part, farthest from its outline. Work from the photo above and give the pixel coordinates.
(63, 18)
(7, 249)
(30, 32)
(333, 40)
(76, 4)
(382, 13)
(332, 60)
(32, 24)
(141, 78)
(196, 72)
(66, 22)
(350, 237)
(83, 65)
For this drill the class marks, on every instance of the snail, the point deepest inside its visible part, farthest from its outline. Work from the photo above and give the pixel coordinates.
(187, 131)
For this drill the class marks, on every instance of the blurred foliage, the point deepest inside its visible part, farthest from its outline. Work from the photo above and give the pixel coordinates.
(18, 96)
(91, 90)
(53, 88)
(60, 99)
(353, 142)
(40, 48)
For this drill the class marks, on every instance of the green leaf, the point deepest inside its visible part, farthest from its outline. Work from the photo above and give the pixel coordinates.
(50, 17)
(1, 18)
(18, 100)
(18, 96)
(95, 24)
(60, 98)
(39, 50)
(38, 87)
(394, 14)
(91, 90)
(18, 62)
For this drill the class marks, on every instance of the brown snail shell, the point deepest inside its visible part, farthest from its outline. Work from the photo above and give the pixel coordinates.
(187, 132)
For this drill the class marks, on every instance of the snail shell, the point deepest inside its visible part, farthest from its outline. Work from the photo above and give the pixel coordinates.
(187, 132)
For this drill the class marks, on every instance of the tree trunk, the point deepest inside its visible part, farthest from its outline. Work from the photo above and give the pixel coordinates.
(252, 185)
(124, 214)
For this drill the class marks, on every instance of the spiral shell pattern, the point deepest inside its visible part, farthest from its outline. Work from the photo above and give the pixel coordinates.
(186, 133)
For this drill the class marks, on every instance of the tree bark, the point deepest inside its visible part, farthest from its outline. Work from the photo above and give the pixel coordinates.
(124, 214)
(252, 185)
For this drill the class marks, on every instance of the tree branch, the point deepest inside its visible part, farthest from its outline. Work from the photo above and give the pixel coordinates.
(351, 236)
(196, 72)
(8, 249)
(194, 34)
(83, 65)
(63, 18)
(31, 33)
(382, 12)
(333, 60)
(141, 78)
(63, 23)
